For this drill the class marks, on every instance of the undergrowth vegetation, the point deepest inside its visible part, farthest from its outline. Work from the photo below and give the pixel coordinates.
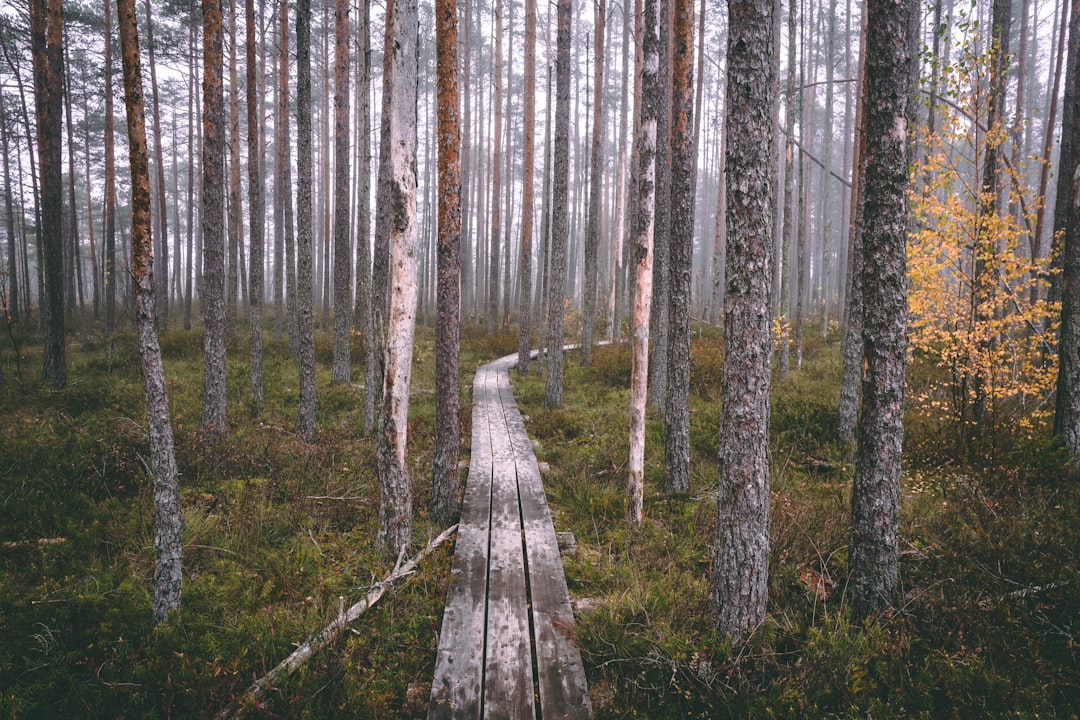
(279, 534)
(987, 625)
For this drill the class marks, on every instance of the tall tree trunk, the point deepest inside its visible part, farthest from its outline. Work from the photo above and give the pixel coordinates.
(496, 178)
(213, 231)
(9, 222)
(851, 346)
(592, 229)
(788, 232)
(680, 259)
(527, 192)
(986, 241)
(826, 177)
(395, 493)
(232, 264)
(740, 564)
(305, 319)
(168, 517)
(891, 66)
(341, 371)
(161, 286)
(1067, 415)
(1038, 243)
(74, 271)
(256, 207)
(643, 228)
(192, 98)
(380, 261)
(445, 481)
(658, 323)
(284, 180)
(362, 318)
(47, 43)
(109, 221)
(560, 211)
(1067, 149)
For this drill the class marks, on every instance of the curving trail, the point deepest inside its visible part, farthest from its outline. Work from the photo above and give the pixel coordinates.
(504, 646)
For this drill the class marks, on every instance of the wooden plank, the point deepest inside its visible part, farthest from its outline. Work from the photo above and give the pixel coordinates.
(508, 670)
(561, 675)
(457, 685)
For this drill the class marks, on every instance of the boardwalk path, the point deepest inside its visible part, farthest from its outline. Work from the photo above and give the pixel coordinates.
(503, 646)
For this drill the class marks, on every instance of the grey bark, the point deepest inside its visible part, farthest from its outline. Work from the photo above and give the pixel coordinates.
(341, 371)
(168, 517)
(658, 320)
(256, 206)
(1067, 416)
(740, 563)
(677, 412)
(592, 227)
(213, 230)
(305, 318)
(395, 492)
(560, 212)
(875, 501)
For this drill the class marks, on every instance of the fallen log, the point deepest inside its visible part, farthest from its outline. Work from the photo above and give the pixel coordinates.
(262, 687)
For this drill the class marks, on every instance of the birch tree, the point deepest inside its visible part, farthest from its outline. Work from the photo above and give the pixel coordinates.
(395, 493)
(642, 226)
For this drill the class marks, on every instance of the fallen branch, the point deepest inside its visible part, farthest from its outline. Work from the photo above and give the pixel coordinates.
(262, 687)
(38, 542)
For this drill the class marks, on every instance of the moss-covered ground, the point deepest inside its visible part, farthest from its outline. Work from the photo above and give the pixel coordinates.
(279, 531)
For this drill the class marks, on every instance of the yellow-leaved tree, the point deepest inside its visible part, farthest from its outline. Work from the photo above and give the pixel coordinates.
(977, 300)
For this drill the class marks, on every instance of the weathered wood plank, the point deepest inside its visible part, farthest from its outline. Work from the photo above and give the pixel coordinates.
(508, 671)
(457, 685)
(561, 675)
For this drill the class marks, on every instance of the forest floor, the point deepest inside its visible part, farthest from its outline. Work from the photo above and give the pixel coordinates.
(278, 531)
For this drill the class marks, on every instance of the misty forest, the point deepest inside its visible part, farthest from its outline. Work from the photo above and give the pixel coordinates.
(504, 359)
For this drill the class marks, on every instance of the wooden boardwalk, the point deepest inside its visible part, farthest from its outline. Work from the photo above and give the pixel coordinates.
(503, 651)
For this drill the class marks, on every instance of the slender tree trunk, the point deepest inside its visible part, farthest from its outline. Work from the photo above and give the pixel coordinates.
(1067, 415)
(496, 178)
(986, 241)
(395, 493)
(527, 192)
(232, 264)
(1067, 150)
(161, 286)
(1038, 243)
(380, 262)
(168, 517)
(560, 211)
(305, 319)
(851, 347)
(826, 177)
(445, 481)
(658, 323)
(341, 371)
(9, 220)
(192, 83)
(592, 229)
(256, 207)
(362, 319)
(47, 42)
(891, 66)
(680, 260)
(74, 272)
(284, 179)
(109, 220)
(740, 564)
(643, 227)
(213, 231)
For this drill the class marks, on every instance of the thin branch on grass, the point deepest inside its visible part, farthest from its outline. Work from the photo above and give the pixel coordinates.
(262, 687)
